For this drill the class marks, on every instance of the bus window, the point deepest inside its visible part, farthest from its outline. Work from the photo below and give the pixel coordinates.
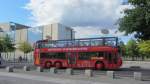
(53, 55)
(84, 56)
(45, 55)
(87, 55)
(84, 43)
(39, 45)
(93, 54)
(101, 54)
(61, 56)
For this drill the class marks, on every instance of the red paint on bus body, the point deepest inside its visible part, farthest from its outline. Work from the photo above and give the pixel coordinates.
(94, 62)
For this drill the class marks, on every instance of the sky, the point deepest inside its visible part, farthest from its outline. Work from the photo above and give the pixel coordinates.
(86, 17)
(13, 10)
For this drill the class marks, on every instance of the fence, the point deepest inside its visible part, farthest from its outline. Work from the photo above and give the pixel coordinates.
(138, 58)
(14, 57)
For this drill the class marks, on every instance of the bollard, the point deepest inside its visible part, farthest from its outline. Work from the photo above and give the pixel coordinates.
(26, 68)
(53, 70)
(39, 69)
(137, 75)
(88, 72)
(9, 69)
(69, 71)
(110, 74)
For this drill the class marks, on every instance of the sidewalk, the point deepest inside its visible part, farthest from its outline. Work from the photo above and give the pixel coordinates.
(34, 78)
(142, 64)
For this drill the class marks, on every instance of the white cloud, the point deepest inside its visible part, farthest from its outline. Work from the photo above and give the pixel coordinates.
(87, 17)
(75, 12)
(35, 30)
(90, 31)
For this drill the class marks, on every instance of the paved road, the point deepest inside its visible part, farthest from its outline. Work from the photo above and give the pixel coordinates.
(124, 76)
(13, 78)
(33, 77)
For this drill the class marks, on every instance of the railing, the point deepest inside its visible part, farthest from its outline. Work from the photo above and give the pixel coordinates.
(79, 42)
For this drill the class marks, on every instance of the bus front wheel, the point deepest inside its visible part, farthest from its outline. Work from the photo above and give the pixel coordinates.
(99, 65)
(48, 64)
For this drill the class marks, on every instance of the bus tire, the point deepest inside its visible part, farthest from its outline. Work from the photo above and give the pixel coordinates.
(99, 65)
(48, 64)
(58, 64)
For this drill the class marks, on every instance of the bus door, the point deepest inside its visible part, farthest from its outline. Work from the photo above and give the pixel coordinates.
(111, 60)
(115, 59)
(72, 57)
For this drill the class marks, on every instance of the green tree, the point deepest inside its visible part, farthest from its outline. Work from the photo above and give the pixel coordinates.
(6, 44)
(122, 48)
(137, 19)
(144, 48)
(25, 47)
(1, 45)
(132, 49)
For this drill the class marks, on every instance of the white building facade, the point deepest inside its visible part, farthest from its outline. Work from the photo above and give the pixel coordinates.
(21, 33)
(57, 32)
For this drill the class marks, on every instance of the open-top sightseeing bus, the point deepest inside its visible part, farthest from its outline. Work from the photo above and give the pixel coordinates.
(94, 53)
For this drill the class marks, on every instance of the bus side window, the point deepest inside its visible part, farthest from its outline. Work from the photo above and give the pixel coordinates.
(110, 56)
(61, 56)
(93, 43)
(101, 54)
(84, 56)
(93, 54)
(39, 45)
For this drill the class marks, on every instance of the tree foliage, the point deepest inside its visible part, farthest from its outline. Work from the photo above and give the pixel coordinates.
(1, 44)
(144, 47)
(122, 48)
(132, 49)
(137, 19)
(6, 44)
(25, 47)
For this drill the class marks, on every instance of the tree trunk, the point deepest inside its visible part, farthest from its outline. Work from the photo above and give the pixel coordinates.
(24, 56)
(132, 58)
(7, 55)
(142, 58)
(27, 56)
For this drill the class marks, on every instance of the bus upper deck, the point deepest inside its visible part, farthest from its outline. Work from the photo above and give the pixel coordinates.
(102, 41)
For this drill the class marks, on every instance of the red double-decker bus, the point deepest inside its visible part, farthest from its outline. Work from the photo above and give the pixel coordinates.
(94, 53)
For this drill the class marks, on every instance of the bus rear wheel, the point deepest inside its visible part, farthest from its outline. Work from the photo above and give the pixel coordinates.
(99, 65)
(48, 64)
(58, 65)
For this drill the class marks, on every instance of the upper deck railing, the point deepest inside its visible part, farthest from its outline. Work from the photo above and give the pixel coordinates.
(103, 41)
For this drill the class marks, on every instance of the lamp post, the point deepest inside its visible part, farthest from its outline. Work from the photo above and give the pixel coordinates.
(13, 28)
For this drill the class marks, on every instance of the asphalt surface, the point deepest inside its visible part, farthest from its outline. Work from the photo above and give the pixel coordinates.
(24, 78)
(13, 78)
(123, 75)
(16, 80)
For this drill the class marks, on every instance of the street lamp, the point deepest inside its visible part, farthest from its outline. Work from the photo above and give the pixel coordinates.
(13, 28)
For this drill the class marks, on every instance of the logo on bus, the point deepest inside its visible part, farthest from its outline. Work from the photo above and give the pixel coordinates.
(67, 49)
(74, 49)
